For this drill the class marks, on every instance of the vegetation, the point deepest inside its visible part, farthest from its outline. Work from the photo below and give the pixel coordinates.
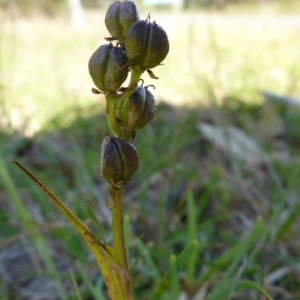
(51, 8)
(241, 205)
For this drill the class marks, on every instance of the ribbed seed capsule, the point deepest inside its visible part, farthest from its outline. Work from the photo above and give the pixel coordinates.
(119, 17)
(146, 45)
(138, 110)
(119, 161)
(108, 68)
(148, 112)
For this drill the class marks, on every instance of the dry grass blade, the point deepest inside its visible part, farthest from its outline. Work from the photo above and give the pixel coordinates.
(289, 101)
(234, 142)
(201, 293)
(277, 275)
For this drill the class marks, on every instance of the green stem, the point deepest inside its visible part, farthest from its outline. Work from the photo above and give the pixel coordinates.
(117, 280)
(111, 108)
(117, 195)
(112, 120)
(135, 76)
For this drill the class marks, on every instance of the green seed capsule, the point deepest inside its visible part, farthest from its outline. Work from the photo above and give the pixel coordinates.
(138, 110)
(119, 161)
(119, 17)
(108, 67)
(146, 45)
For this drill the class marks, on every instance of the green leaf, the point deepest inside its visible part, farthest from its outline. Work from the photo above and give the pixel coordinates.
(95, 222)
(151, 265)
(235, 254)
(174, 278)
(186, 254)
(225, 289)
(181, 261)
(287, 224)
(192, 235)
(76, 288)
(96, 292)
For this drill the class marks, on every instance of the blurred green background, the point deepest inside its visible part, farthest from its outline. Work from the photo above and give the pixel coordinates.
(219, 163)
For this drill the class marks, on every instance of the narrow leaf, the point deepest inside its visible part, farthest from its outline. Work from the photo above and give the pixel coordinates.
(186, 253)
(151, 265)
(236, 252)
(95, 222)
(244, 285)
(76, 288)
(192, 235)
(174, 278)
(181, 261)
(92, 288)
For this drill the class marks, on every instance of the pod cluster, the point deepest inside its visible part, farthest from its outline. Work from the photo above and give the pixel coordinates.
(135, 46)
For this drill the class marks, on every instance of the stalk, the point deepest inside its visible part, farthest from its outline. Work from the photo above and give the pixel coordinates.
(112, 101)
(112, 120)
(117, 197)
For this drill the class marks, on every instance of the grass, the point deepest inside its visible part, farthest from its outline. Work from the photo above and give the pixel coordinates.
(201, 221)
(44, 62)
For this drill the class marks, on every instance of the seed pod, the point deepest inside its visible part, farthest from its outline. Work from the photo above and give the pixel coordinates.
(137, 110)
(119, 17)
(146, 45)
(108, 68)
(119, 161)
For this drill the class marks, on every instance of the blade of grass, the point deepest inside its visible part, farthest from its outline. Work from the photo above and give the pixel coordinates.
(146, 255)
(243, 285)
(186, 253)
(201, 205)
(161, 218)
(236, 252)
(95, 222)
(96, 293)
(265, 234)
(76, 288)
(21, 211)
(181, 261)
(235, 269)
(192, 235)
(174, 278)
(286, 226)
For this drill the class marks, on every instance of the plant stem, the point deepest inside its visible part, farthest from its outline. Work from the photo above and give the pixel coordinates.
(135, 76)
(117, 196)
(111, 107)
